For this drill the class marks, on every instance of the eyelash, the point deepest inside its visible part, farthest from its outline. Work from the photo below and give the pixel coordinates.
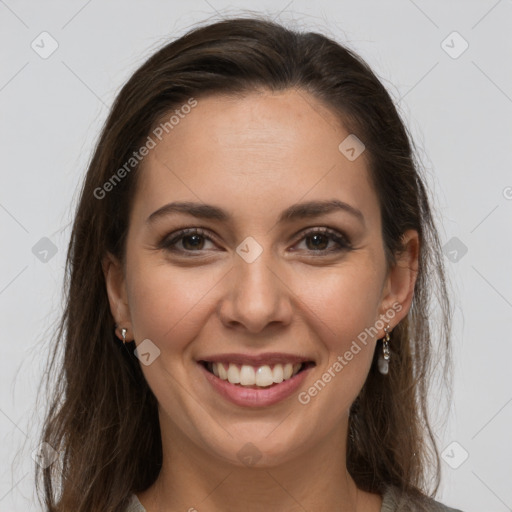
(169, 241)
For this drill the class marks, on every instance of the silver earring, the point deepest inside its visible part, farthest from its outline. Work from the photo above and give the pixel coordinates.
(383, 361)
(123, 334)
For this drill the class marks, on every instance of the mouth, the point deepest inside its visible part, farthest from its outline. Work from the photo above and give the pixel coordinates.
(259, 376)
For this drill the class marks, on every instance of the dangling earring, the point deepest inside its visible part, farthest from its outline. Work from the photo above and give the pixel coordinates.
(123, 334)
(383, 361)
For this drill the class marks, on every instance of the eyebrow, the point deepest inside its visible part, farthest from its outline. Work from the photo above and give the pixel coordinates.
(297, 211)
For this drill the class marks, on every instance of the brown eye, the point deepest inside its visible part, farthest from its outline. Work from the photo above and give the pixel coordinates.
(317, 241)
(191, 242)
(185, 241)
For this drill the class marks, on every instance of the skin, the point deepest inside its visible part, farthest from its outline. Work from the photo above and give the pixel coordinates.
(254, 156)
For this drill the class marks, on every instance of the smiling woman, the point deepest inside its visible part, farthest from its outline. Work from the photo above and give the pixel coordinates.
(247, 323)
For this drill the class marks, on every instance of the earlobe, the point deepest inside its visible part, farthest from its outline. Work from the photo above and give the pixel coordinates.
(116, 291)
(401, 280)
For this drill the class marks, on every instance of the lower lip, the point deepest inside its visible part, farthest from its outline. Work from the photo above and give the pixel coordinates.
(248, 397)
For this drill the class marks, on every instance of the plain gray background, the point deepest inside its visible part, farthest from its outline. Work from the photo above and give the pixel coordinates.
(457, 104)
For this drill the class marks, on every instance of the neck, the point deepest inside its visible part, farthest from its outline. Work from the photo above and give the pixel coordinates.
(191, 479)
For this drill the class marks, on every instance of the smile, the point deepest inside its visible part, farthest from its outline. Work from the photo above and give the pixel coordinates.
(256, 376)
(255, 381)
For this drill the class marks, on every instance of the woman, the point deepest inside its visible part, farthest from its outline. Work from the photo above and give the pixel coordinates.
(250, 276)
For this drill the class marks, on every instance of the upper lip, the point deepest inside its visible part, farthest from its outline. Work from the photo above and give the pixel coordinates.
(256, 360)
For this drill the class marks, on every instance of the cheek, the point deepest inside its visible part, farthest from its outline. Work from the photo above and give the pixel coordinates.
(165, 301)
(343, 310)
(346, 299)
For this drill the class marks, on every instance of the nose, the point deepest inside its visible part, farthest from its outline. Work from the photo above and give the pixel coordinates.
(257, 296)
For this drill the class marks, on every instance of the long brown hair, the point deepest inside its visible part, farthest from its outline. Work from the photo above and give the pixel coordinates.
(102, 416)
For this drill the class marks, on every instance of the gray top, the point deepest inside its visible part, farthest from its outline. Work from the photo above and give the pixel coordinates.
(392, 501)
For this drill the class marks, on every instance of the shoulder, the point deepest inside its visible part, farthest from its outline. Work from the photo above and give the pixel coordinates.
(394, 500)
(134, 505)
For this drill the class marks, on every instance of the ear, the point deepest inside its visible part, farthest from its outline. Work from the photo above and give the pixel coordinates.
(117, 297)
(398, 289)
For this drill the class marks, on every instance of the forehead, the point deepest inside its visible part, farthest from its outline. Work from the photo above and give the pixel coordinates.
(261, 151)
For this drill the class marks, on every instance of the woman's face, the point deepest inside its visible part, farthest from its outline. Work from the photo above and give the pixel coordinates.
(256, 288)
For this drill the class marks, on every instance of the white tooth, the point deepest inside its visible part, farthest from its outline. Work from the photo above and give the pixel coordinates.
(278, 373)
(223, 374)
(288, 370)
(233, 374)
(247, 375)
(264, 376)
